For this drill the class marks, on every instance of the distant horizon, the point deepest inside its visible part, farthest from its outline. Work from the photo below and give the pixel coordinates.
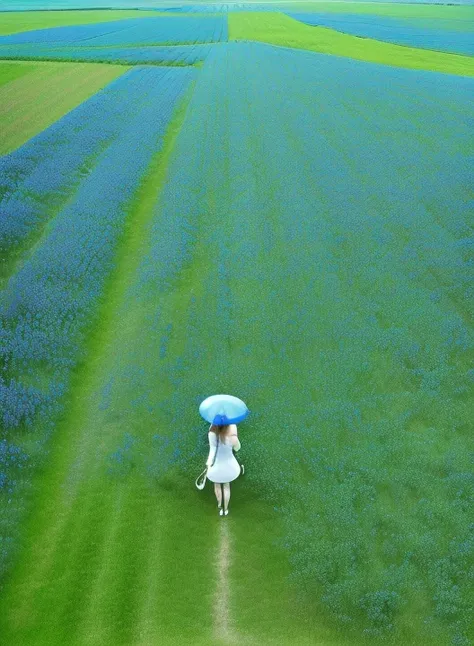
(66, 5)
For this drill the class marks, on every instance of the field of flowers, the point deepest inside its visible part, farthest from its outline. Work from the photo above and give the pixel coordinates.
(58, 219)
(177, 55)
(288, 226)
(279, 29)
(447, 36)
(357, 287)
(132, 32)
(128, 42)
(39, 177)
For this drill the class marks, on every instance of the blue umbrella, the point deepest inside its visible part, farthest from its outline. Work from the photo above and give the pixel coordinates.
(223, 409)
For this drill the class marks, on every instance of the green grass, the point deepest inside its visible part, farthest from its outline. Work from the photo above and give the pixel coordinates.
(18, 21)
(10, 73)
(98, 60)
(278, 29)
(34, 95)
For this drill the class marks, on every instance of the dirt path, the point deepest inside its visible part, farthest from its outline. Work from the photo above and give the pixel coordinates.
(223, 624)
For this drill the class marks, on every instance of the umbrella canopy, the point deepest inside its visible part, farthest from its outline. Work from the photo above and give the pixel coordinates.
(223, 409)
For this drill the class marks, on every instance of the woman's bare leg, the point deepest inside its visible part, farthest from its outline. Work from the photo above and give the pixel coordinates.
(218, 492)
(226, 495)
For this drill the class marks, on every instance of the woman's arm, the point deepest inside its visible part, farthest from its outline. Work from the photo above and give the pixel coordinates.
(234, 438)
(212, 448)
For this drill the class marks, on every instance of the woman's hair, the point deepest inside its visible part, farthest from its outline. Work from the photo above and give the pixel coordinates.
(219, 429)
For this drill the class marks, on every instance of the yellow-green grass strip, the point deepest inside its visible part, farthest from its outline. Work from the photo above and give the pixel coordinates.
(12, 72)
(17, 21)
(279, 29)
(35, 95)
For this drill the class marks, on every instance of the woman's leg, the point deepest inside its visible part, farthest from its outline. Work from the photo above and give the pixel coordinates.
(226, 495)
(218, 492)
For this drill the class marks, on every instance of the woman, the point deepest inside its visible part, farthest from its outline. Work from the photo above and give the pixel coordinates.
(225, 468)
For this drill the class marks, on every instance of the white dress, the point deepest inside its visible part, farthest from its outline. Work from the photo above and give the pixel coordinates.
(225, 468)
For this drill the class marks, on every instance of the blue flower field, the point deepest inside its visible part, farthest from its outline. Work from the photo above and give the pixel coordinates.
(247, 210)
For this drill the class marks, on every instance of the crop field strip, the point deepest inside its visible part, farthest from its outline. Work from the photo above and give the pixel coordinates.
(401, 10)
(118, 564)
(177, 55)
(148, 108)
(124, 543)
(280, 29)
(133, 32)
(34, 95)
(33, 191)
(17, 21)
(76, 250)
(176, 41)
(141, 41)
(443, 35)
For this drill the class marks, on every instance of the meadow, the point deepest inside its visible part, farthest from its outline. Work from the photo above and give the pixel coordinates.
(223, 198)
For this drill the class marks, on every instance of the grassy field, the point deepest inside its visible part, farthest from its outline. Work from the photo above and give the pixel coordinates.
(288, 226)
(282, 30)
(34, 95)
